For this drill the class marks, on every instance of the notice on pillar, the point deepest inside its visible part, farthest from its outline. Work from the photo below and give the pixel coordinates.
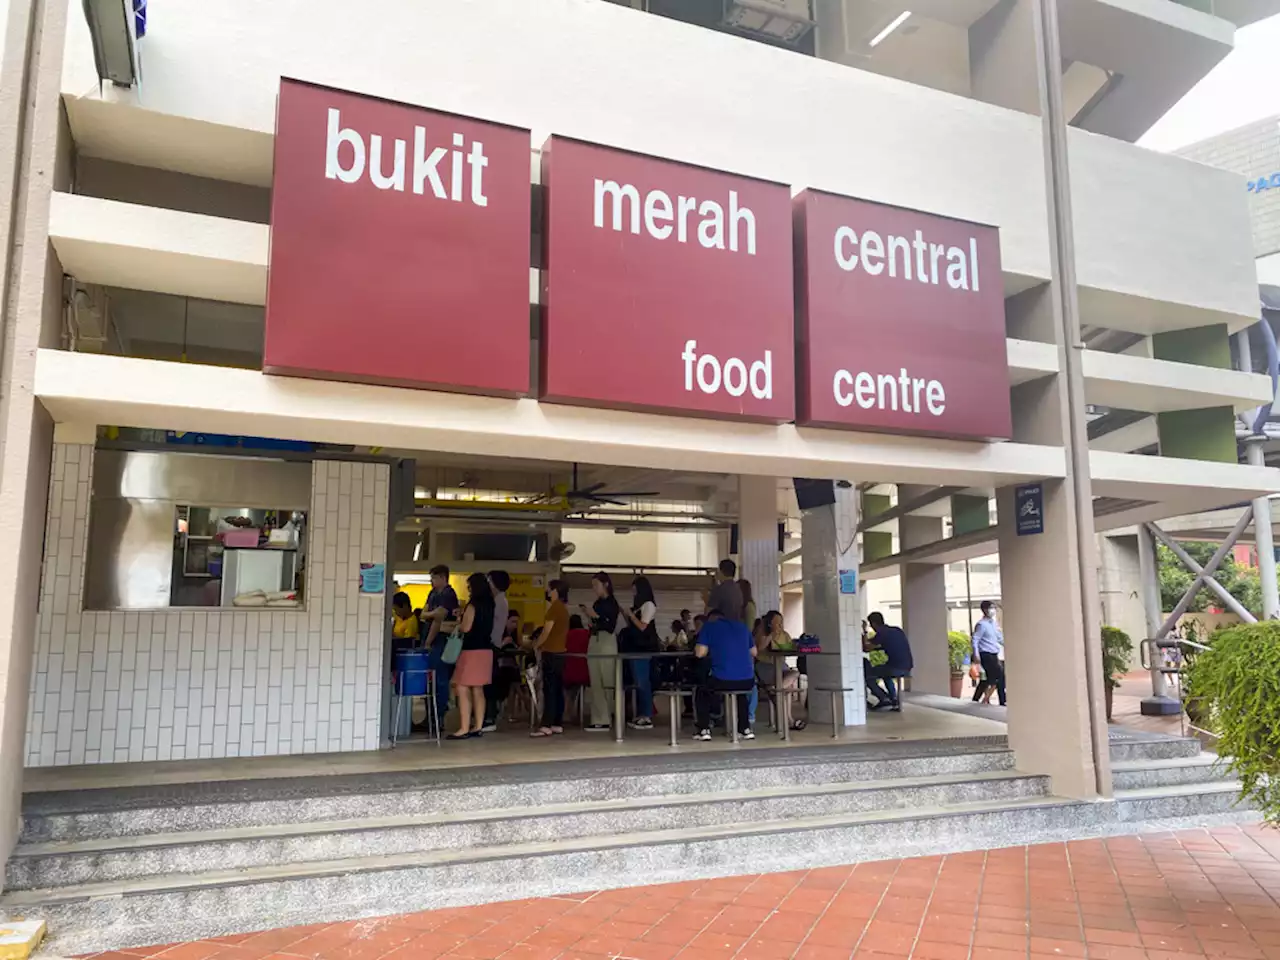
(667, 287)
(1029, 502)
(900, 321)
(399, 245)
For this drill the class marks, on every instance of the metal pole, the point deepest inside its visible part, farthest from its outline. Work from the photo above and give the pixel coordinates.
(1159, 704)
(1171, 621)
(1067, 318)
(1263, 538)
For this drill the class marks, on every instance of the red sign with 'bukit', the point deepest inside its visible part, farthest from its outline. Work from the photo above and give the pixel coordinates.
(399, 245)
(667, 287)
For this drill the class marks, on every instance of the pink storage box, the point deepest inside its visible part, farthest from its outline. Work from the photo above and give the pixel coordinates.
(248, 537)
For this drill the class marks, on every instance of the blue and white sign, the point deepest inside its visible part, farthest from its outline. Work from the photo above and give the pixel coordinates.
(1029, 501)
(1265, 183)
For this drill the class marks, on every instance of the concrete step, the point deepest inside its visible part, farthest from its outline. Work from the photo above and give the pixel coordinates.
(65, 863)
(1180, 801)
(1131, 747)
(137, 812)
(118, 914)
(1202, 768)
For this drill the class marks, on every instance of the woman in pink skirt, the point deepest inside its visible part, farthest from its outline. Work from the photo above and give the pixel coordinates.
(474, 668)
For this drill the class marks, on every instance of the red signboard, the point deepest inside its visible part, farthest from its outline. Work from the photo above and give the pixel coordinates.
(900, 321)
(399, 245)
(667, 287)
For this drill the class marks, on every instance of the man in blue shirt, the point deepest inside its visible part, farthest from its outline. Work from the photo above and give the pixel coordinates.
(893, 641)
(987, 643)
(726, 645)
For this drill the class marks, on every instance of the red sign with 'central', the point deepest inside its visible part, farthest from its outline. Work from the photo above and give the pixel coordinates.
(399, 245)
(667, 286)
(901, 321)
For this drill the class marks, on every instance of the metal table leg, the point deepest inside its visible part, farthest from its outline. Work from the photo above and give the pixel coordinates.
(619, 713)
(676, 707)
(780, 698)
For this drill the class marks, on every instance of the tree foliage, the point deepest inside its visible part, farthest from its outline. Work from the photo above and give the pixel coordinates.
(1235, 687)
(1241, 582)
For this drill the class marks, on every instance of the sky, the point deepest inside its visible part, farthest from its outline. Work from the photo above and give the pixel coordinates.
(1243, 88)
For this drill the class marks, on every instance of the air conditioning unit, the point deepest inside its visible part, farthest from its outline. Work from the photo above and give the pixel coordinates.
(88, 318)
(782, 21)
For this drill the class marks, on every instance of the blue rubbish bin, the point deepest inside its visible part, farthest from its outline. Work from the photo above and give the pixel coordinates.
(411, 668)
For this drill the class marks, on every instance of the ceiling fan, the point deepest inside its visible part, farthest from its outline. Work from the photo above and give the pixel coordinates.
(595, 494)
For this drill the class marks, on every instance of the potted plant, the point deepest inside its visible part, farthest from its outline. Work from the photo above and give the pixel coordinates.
(1237, 685)
(958, 647)
(1117, 654)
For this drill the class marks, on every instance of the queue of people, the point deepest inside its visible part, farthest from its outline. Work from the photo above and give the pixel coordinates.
(484, 655)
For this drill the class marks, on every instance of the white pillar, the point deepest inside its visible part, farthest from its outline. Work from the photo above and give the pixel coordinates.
(924, 601)
(827, 533)
(1159, 704)
(1263, 538)
(758, 540)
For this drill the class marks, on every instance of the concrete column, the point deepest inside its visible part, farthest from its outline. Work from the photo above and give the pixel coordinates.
(1050, 724)
(1159, 704)
(758, 540)
(1263, 537)
(827, 533)
(35, 158)
(924, 601)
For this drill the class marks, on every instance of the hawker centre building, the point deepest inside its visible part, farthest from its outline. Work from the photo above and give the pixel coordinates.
(465, 282)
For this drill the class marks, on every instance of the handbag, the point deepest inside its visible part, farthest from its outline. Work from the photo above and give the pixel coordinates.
(452, 648)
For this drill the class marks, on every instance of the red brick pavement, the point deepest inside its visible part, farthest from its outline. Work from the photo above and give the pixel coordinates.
(1170, 896)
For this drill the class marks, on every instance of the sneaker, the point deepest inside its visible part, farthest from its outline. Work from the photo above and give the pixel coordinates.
(598, 728)
(641, 723)
(702, 735)
(489, 728)
(748, 735)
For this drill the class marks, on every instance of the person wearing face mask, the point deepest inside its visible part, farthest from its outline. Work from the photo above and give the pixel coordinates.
(988, 640)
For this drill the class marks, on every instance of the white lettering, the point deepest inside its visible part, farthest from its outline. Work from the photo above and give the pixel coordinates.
(762, 389)
(687, 205)
(708, 384)
(741, 215)
(914, 257)
(657, 208)
(885, 391)
(846, 237)
(936, 398)
(380, 180)
(735, 377)
(478, 162)
(386, 151)
(338, 135)
(617, 192)
(872, 253)
(712, 216)
(688, 357)
(865, 388)
(426, 167)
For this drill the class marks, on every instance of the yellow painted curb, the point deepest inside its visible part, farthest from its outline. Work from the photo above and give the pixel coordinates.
(19, 938)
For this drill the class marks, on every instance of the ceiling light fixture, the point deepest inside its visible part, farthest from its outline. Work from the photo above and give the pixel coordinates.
(897, 21)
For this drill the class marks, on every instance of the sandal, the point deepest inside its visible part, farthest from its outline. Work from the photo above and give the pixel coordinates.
(541, 732)
(458, 736)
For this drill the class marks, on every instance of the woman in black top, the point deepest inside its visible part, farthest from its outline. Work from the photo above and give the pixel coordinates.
(474, 668)
(604, 615)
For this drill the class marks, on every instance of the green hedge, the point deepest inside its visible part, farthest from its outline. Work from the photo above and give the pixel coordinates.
(1235, 689)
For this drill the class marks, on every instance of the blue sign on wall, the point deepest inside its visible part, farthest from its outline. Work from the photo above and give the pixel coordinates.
(1029, 501)
(1265, 183)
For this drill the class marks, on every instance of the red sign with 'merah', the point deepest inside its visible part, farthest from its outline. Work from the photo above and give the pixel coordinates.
(399, 245)
(901, 321)
(667, 287)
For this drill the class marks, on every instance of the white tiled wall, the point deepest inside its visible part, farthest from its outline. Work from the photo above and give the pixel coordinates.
(179, 685)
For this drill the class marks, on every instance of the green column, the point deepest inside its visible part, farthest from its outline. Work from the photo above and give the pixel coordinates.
(1206, 433)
